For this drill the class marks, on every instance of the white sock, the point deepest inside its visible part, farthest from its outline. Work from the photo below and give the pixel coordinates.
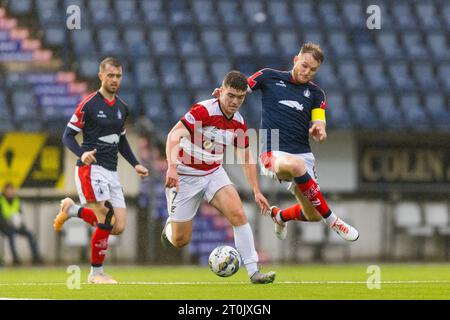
(330, 219)
(278, 218)
(73, 210)
(245, 245)
(169, 232)
(96, 270)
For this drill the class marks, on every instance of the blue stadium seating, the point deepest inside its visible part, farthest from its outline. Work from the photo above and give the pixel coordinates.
(380, 78)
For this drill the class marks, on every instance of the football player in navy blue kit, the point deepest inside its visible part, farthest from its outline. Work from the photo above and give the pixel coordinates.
(101, 116)
(295, 106)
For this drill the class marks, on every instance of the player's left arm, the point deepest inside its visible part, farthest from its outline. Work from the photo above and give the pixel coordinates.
(127, 153)
(250, 172)
(318, 119)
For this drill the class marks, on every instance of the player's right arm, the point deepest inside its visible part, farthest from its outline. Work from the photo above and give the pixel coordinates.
(76, 125)
(172, 148)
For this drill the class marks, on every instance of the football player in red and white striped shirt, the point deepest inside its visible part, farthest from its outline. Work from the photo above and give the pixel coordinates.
(195, 149)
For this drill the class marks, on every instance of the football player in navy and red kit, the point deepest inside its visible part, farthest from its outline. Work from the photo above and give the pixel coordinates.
(295, 106)
(195, 149)
(101, 117)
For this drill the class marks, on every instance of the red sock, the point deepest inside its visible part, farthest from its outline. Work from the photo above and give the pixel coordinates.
(312, 191)
(99, 244)
(293, 213)
(88, 215)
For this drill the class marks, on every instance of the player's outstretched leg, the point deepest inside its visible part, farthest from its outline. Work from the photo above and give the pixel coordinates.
(63, 214)
(70, 210)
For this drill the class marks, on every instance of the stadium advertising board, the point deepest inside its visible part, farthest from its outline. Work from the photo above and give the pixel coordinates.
(31, 160)
(413, 163)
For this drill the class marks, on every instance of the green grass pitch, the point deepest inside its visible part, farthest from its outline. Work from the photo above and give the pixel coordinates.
(295, 282)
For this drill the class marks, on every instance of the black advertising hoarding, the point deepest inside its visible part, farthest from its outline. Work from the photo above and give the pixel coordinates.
(404, 163)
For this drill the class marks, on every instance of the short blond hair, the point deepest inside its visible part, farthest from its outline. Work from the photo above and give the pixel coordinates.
(314, 49)
(109, 60)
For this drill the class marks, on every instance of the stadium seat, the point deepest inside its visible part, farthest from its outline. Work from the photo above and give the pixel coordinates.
(5, 114)
(337, 111)
(239, 43)
(437, 45)
(188, 43)
(427, 16)
(145, 74)
(408, 220)
(55, 36)
(391, 115)
(154, 14)
(180, 102)
(196, 74)
(424, 75)
(101, 13)
(354, 14)
(388, 42)
(415, 114)
(83, 40)
(130, 97)
(445, 14)
(376, 76)
(126, 12)
(219, 67)
(110, 42)
(179, 13)
(280, 14)
(204, 13)
(401, 77)
(403, 16)
(362, 111)
(21, 7)
(305, 14)
(88, 66)
(171, 74)
(326, 76)
(230, 13)
(288, 42)
(339, 43)
(254, 12)
(350, 75)
(136, 42)
(413, 46)
(213, 42)
(329, 15)
(264, 43)
(162, 44)
(440, 115)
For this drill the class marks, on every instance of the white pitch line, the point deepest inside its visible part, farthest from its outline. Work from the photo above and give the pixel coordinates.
(240, 283)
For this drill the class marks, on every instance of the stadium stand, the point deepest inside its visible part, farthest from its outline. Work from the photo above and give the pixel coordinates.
(190, 44)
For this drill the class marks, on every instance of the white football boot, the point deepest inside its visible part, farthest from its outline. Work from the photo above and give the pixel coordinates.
(346, 231)
(280, 229)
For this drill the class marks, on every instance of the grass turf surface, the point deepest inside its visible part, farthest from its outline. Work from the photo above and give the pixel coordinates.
(299, 282)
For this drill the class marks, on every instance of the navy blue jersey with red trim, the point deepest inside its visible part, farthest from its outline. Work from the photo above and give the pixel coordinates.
(286, 106)
(102, 123)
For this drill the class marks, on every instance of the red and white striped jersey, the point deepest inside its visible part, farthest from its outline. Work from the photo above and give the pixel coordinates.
(211, 131)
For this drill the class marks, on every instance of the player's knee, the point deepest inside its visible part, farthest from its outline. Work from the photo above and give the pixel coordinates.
(238, 218)
(180, 241)
(297, 167)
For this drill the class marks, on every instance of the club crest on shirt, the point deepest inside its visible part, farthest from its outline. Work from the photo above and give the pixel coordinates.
(306, 93)
(119, 114)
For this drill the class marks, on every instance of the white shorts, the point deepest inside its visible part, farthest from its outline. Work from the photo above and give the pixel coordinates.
(183, 205)
(268, 164)
(95, 183)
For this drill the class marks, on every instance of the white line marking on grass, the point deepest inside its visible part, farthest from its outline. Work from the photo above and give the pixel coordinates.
(235, 282)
